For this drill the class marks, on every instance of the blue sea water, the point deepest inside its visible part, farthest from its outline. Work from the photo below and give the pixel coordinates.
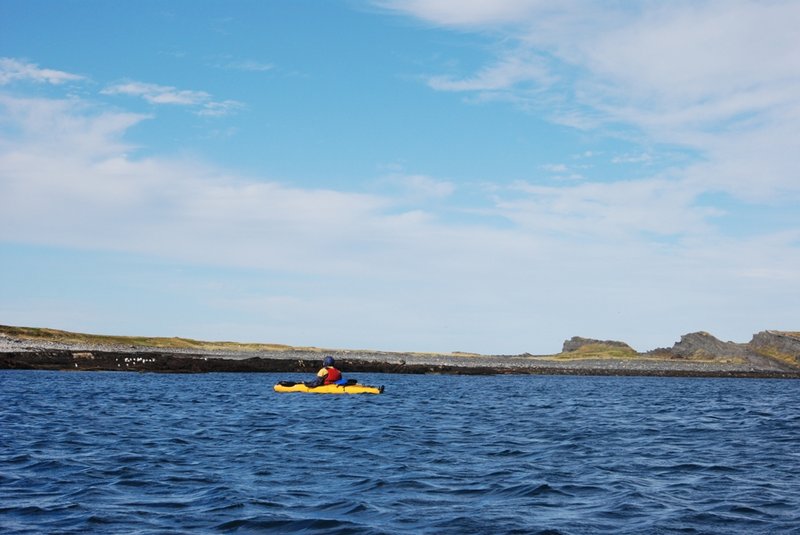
(216, 453)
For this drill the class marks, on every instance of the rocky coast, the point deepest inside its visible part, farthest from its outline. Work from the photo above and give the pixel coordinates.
(770, 354)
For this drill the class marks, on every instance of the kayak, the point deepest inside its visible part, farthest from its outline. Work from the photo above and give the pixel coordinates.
(289, 386)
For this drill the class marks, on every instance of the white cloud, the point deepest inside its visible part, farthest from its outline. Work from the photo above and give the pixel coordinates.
(158, 94)
(627, 209)
(70, 175)
(578, 259)
(706, 52)
(420, 187)
(560, 171)
(467, 12)
(721, 79)
(64, 128)
(220, 109)
(13, 70)
(508, 72)
(161, 94)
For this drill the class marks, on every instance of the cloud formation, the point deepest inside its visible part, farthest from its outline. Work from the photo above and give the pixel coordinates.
(12, 70)
(70, 180)
(508, 72)
(161, 94)
(516, 266)
(158, 94)
(721, 79)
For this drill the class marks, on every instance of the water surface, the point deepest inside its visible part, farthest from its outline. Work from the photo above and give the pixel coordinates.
(149, 453)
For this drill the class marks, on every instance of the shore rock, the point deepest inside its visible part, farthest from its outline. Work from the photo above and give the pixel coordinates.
(169, 362)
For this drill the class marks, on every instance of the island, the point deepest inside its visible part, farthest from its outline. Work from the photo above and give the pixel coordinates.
(769, 354)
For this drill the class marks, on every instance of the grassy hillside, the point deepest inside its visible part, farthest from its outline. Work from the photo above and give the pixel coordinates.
(53, 335)
(35, 334)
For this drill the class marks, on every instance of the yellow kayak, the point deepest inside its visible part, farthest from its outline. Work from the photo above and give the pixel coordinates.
(289, 386)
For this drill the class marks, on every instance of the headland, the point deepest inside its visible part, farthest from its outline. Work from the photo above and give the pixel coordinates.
(770, 354)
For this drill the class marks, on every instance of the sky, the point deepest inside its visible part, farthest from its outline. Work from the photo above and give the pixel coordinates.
(489, 176)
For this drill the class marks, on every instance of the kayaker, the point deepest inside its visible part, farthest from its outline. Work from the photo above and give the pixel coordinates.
(328, 374)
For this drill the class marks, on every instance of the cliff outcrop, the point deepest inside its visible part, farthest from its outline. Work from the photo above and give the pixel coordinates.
(577, 343)
(702, 345)
(784, 346)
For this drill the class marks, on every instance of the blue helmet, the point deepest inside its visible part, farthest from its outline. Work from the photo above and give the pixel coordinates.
(328, 361)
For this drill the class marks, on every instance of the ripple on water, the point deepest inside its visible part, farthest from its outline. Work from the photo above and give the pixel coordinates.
(435, 454)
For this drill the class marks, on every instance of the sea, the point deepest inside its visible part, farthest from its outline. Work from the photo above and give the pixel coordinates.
(122, 452)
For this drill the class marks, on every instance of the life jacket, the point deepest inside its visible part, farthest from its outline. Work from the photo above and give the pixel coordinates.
(333, 375)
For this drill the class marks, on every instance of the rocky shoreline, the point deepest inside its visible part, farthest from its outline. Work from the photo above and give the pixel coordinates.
(771, 354)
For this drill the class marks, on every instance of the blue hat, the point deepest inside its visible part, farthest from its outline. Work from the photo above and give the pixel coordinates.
(328, 361)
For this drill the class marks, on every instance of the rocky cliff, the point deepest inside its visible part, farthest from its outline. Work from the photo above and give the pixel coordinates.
(702, 345)
(784, 346)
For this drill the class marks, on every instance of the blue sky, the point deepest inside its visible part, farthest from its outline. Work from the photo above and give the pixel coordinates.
(439, 175)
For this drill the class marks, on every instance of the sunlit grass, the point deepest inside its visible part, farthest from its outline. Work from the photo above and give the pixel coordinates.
(144, 342)
(66, 337)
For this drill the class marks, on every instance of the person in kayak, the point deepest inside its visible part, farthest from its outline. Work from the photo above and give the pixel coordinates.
(328, 374)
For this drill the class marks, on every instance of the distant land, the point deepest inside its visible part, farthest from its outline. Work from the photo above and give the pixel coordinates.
(768, 354)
